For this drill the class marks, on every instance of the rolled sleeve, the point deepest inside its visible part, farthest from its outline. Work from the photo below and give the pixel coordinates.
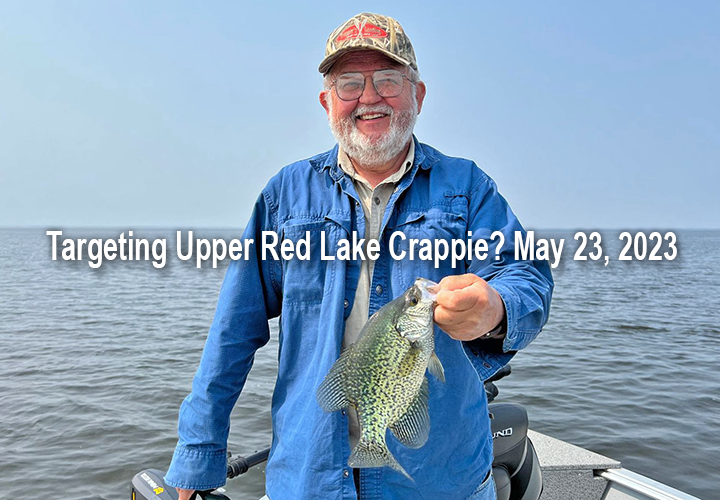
(522, 325)
(195, 468)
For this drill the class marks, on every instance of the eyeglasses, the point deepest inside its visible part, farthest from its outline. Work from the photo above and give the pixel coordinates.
(387, 83)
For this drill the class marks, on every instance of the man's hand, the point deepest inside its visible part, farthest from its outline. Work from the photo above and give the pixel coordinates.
(184, 494)
(467, 307)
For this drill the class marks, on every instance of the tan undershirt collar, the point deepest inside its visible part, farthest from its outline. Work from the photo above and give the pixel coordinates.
(347, 166)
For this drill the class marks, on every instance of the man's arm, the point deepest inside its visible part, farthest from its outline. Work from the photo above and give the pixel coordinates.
(249, 296)
(502, 291)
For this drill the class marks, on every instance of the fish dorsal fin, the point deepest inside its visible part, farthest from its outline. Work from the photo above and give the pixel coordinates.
(436, 368)
(331, 395)
(413, 428)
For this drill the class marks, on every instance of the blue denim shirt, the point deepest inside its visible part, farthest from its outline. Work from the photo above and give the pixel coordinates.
(440, 197)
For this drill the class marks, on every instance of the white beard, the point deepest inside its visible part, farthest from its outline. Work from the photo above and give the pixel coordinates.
(378, 152)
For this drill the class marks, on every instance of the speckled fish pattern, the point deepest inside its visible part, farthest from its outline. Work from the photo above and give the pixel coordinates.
(383, 376)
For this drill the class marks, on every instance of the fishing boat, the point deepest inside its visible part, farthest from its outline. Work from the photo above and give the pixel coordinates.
(574, 473)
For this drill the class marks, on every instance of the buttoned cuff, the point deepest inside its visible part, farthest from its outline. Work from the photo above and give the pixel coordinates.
(515, 337)
(194, 468)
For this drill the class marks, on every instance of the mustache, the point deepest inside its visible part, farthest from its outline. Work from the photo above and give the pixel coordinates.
(376, 108)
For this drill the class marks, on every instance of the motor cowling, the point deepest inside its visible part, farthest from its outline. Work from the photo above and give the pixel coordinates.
(150, 485)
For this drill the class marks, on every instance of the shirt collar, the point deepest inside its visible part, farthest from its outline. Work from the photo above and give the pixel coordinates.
(346, 165)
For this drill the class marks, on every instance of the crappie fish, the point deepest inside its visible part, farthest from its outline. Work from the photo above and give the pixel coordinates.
(382, 375)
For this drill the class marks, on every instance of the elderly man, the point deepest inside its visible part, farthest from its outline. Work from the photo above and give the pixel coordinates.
(378, 180)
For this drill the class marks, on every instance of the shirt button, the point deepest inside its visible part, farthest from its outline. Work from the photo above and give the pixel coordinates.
(395, 190)
(346, 303)
(377, 200)
(357, 203)
(378, 289)
(346, 473)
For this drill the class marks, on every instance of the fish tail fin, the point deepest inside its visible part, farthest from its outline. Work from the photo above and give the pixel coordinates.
(369, 453)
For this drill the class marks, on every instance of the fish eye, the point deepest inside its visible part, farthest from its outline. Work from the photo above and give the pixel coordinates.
(414, 300)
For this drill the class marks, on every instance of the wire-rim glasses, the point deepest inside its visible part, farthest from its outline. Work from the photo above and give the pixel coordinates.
(387, 83)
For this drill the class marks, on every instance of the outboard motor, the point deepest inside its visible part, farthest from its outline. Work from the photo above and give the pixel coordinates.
(516, 467)
(149, 485)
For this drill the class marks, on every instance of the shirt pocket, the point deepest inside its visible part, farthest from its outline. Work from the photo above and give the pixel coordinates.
(432, 226)
(308, 281)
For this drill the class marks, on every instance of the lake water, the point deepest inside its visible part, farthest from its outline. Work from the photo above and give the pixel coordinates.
(94, 364)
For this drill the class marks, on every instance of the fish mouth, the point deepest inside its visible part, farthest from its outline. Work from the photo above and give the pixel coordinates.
(428, 289)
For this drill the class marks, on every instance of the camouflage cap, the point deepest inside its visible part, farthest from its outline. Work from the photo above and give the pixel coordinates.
(369, 32)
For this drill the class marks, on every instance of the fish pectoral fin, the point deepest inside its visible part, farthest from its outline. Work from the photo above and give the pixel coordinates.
(374, 454)
(331, 395)
(436, 368)
(412, 429)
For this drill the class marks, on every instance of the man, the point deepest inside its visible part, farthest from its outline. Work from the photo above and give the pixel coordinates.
(378, 180)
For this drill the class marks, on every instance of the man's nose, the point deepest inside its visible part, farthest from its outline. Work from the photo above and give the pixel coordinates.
(369, 95)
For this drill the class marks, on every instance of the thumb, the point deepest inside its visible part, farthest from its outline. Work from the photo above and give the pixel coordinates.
(184, 494)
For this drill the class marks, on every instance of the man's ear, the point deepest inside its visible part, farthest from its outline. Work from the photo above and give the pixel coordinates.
(420, 91)
(324, 96)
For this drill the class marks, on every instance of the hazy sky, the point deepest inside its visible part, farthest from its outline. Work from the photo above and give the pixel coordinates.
(131, 114)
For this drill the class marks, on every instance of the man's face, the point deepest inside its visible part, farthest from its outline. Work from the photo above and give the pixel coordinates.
(372, 129)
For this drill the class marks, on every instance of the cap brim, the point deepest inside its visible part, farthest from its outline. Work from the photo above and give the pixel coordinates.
(328, 62)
